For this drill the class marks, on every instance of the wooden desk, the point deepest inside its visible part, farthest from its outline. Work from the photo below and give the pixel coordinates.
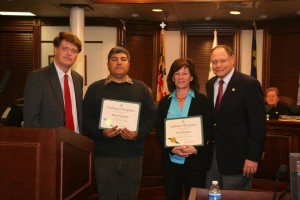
(282, 138)
(202, 194)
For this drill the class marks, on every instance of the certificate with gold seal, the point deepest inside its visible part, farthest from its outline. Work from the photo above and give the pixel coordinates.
(124, 114)
(184, 131)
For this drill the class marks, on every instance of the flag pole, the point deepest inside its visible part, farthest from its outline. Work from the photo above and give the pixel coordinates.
(123, 33)
(253, 53)
(215, 43)
(298, 97)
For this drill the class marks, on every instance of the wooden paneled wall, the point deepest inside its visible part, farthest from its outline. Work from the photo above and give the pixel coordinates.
(20, 49)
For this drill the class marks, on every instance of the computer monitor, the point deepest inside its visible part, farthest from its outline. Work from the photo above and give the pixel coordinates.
(295, 110)
(295, 175)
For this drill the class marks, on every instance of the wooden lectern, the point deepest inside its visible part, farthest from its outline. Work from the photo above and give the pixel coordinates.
(45, 164)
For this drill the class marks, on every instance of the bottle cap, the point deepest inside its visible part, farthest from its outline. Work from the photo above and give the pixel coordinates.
(214, 182)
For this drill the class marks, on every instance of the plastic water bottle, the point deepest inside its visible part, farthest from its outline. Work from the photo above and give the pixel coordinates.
(214, 192)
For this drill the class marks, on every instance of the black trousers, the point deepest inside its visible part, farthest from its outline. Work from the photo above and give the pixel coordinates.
(179, 178)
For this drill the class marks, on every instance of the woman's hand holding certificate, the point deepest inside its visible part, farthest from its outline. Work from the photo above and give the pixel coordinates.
(184, 131)
(184, 151)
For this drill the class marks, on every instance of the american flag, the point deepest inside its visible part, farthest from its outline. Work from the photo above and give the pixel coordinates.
(215, 43)
(161, 80)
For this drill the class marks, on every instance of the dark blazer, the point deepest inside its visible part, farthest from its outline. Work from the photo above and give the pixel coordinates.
(43, 99)
(239, 125)
(277, 110)
(199, 106)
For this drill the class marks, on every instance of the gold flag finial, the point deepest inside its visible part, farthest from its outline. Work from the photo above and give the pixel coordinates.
(123, 23)
(254, 25)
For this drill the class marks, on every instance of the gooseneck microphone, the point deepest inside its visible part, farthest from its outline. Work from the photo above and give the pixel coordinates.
(281, 171)
(279, 174)
(284, 193)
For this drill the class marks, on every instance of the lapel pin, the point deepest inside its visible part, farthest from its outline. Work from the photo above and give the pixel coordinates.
(233, 89)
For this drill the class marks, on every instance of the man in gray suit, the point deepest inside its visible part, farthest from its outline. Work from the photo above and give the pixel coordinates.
(44, 100)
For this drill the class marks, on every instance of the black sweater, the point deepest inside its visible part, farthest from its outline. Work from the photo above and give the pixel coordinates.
(117, 146)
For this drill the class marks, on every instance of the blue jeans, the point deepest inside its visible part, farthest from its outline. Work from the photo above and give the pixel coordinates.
(118, 178)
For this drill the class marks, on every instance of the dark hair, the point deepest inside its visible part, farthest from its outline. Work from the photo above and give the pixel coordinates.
(177, 65)
(226, 47)
(116, 50)
(70, 37)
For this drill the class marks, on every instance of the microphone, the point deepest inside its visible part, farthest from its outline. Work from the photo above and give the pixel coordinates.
(4, 80)
(284, 193)
(281, 171)
(279, 174)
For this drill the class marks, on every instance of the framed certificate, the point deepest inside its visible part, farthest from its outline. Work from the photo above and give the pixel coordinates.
(123, 114)
(184, 131)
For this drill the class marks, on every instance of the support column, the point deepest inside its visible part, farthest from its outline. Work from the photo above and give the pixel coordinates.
(77, 27)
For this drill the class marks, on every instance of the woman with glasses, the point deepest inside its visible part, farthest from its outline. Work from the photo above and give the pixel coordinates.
(275, 108)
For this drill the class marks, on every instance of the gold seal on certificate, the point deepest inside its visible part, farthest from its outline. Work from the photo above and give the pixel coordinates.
(123, 114)
(184, 131)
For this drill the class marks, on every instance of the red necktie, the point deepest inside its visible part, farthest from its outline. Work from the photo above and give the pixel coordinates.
(220, 94)
(68, 105)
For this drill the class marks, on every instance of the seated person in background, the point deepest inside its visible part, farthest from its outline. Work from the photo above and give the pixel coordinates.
(272, 99)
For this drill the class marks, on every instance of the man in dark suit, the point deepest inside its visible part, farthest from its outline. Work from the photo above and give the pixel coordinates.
(239, 123)
(44, 95)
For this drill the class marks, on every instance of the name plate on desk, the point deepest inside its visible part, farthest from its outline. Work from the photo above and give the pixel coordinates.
(289, 118)
(184, 131)
(119, 113)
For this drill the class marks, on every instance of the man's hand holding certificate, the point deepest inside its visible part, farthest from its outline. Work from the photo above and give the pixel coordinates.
(124, 132)
(119, 114)
(184, 131)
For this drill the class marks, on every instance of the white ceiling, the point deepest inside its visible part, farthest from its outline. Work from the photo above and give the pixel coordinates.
(178, 12)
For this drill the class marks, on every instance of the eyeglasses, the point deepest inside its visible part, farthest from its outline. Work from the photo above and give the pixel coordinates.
(271, 96)
(221, 61)
(66, 49)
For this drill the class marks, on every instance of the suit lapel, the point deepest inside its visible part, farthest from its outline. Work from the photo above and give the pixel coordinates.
(53, 78)
(78, 91)
(210, 92)
(77, 86)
